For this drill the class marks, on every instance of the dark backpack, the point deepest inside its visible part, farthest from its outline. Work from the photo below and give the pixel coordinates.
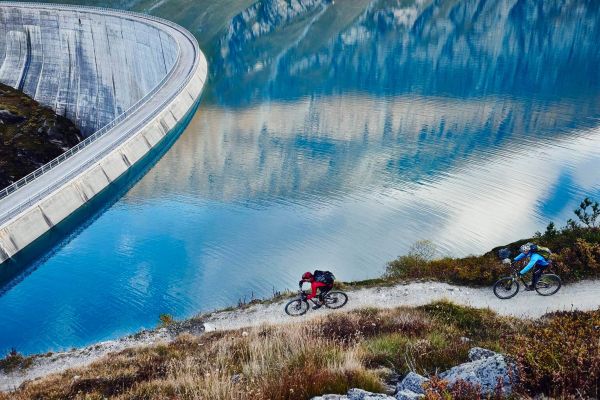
(325, 277)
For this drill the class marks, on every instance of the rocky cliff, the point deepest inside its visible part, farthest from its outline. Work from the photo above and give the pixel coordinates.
(465, 49)
(30, 135)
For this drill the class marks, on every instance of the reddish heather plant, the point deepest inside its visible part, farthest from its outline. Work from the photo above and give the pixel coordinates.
(559, 356)
(438, 389)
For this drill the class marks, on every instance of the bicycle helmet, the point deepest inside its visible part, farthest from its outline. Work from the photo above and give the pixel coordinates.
(527, 247)
(533, 247)
(307, 275)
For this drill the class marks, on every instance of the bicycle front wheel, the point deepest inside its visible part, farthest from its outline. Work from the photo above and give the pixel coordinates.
(548, 284)
(335, 299)
(506, 288)
(296, 307)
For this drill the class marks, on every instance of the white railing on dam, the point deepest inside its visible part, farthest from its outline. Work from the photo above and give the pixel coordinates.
(81, 145)
(154, 114)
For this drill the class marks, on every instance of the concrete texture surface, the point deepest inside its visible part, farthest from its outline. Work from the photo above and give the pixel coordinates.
(35, 208)
(88, 67)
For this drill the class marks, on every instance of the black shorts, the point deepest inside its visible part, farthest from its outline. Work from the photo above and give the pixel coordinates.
(323, 290)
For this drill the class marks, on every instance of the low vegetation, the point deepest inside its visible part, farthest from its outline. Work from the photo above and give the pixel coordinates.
(557, 355)
(14, 361)
(30, 135)
(576, 255)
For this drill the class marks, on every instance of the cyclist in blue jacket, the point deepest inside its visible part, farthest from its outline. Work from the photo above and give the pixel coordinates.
(536, 261)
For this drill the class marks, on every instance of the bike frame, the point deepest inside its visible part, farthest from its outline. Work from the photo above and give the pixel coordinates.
(304, 295)
(516, 277)
(514, 273)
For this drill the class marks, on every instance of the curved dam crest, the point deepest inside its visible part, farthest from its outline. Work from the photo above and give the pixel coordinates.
(87, 67)
(135, 76)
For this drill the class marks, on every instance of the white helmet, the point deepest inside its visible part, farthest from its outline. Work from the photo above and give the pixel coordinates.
(525, 248)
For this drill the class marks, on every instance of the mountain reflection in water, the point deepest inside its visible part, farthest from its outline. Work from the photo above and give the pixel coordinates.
(333, 134)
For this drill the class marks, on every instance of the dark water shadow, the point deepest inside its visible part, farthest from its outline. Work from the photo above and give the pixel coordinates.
(24, 263)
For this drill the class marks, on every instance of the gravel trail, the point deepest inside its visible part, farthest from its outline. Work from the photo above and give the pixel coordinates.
(581, 296)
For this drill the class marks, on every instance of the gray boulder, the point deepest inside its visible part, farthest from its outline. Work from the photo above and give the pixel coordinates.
(479, 353)
(359, 394)
(355, 394)
(411, 387)
(486, 370)
(412, 382)
(408, 395)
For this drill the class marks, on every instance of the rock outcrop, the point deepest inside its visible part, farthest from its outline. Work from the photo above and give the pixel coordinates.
(241, 47)
(487, 370)
(264, 17)
(355, 394)
(30, 135)
(411, 387)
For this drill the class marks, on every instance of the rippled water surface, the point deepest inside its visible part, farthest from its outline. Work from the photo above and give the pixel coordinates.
(336, 139)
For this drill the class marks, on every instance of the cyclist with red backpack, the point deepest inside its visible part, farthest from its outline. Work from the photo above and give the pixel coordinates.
(321, 281)
(539, 260)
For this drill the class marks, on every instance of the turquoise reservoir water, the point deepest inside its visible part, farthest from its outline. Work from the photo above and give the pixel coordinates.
(336, 139)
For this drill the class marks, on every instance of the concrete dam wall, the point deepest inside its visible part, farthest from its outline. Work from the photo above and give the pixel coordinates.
(86, 66)
(136, 76)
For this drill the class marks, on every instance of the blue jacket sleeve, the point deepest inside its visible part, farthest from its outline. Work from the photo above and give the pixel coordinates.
(519, 257)
(532, 261)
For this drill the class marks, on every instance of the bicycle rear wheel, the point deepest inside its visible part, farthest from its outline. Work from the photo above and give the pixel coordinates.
(506, 288)
(548, 284)
(296, 307)
(335, 299)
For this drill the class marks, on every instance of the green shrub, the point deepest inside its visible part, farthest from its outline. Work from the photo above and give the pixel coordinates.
(475, 323)
(165, 320)
(588, 212)
(414, 264)
(14, 361)
(387, 351)
(435, 352)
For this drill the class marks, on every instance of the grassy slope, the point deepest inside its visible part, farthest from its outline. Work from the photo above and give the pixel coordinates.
(576, 255)
(330, 355)
(30, 135)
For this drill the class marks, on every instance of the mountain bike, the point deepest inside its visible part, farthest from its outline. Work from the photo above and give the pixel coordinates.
(299, 306)
(508, 286)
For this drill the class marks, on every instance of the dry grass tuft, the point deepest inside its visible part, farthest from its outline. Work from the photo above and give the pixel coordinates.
(288, 362)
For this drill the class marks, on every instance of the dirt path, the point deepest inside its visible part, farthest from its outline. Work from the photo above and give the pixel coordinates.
(581, 296)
